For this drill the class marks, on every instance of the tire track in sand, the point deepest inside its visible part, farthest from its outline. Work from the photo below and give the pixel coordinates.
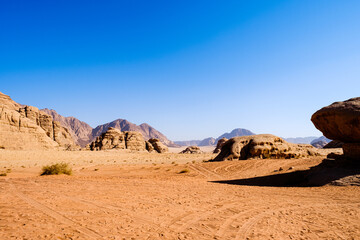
(89, 233)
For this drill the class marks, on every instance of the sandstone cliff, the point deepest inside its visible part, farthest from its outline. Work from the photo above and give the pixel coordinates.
(28, 128)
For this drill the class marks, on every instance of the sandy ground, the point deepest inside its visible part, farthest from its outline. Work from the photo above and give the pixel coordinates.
(124, 195)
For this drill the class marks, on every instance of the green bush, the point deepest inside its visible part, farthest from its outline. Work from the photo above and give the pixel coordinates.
(56, 169)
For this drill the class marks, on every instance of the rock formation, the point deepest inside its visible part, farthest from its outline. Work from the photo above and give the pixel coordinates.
(123, 125)
(219, 145)
(192, 150)
(157, 145)
(263, 146)
(341, 121)
(28, 128)
(113, 138)
(79, 130)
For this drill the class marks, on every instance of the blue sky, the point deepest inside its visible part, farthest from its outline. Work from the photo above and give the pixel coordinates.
(191, 69)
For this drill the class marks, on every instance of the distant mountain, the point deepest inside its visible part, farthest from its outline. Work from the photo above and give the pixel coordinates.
(212, 141)
(123, 125)
(237, 132)
(79, 130)
(83, 133)
(320, 142)
(207, 142)
(322, 138)
(188, 143)
(297, 140)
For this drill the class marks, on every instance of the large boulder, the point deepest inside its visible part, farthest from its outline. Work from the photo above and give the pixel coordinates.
(341, 121)
(263, 146)
(192, 150)
(219, 145)
(158, 145)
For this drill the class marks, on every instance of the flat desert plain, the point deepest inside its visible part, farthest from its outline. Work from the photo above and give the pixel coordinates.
(124, 195)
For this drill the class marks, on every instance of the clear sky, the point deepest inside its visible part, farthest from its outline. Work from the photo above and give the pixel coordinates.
(191, 69)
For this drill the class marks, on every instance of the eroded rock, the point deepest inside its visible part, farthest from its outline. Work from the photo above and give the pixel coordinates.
(192, 150)
(263, 146)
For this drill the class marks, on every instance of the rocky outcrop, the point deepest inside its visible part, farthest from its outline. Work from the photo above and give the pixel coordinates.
(53, 129)
(79, 130)
(158, 145)
(123, 125)
(134, 141)
(192, 150)
(19, 132)
(115, 139)
(28, 128)
(219, 145)
(263, 146)
(341, 121)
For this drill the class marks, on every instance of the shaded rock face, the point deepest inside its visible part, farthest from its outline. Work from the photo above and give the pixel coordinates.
(219, 145)
(341, 121)
(334, 144)
(192, 150)
(263, 146)
(158, 146)
(28, 128)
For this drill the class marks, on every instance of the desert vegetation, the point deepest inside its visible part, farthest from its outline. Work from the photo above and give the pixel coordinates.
(56, 169)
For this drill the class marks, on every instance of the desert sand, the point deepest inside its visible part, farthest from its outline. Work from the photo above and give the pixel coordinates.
(127, 195)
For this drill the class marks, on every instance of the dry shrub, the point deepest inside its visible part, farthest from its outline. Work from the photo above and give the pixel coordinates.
(184, 171)
(56, 169)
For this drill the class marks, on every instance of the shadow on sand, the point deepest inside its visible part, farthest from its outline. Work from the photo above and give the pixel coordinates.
(330, 171)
